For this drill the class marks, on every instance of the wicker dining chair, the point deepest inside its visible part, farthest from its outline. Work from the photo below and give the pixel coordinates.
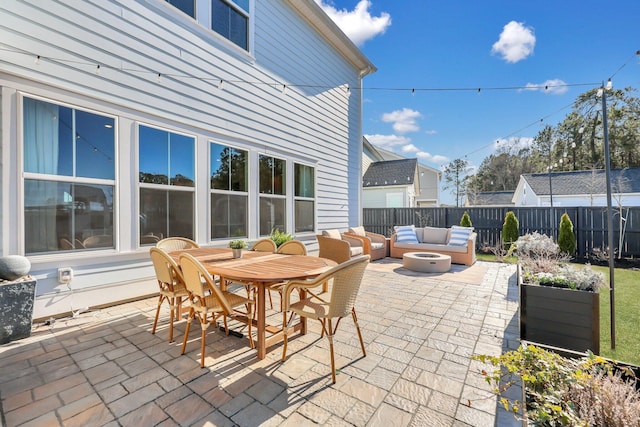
(207, 299)
(264, 245)
(290, 247)
(346, 279)
(176, 243)
(172, 287)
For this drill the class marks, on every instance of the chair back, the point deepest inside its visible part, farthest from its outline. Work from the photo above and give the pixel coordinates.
(292, 247)
(346, 278)
(176, 243)
(65, 244)
(98, 241)
(167, 270)
(265, 245)
(198, 281)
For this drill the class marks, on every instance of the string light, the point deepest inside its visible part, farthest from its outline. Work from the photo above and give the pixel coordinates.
(221, 85)
(159, 77)
(37, 61)
(98, 69)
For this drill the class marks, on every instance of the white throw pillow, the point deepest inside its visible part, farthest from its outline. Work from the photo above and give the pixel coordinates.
(334, 234)
(406, 234)
(460, 235)
(358, 231)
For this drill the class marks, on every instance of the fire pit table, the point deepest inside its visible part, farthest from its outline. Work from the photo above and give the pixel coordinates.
(426, 262)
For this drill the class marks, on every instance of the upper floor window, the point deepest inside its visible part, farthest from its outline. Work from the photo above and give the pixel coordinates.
(167, 181)
(69, 177)
(187, 6)
(230, 19)
(229, 192)
(273, 200)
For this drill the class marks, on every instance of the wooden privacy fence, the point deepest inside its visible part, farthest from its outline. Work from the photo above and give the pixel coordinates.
(589, 224)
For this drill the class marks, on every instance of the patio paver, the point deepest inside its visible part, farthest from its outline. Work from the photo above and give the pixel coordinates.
(104, 367)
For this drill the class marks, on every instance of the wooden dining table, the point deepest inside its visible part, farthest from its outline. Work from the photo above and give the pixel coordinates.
(260, 269)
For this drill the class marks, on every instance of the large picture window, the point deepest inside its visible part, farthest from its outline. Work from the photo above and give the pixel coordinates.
(230, 19)
(304, 198)
(69, 177)
(229, 192)
(167, 184)
(273, 200)
(187, 6)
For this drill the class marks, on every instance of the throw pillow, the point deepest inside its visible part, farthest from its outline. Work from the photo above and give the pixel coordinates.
(435, 235)
(460, 235)
(358, 231)
(406, 234)
(334, 234)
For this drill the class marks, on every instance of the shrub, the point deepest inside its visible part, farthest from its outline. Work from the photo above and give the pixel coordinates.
(279, 237)
(510, 229)
(562, 391)
(566, 238)
(465, 221)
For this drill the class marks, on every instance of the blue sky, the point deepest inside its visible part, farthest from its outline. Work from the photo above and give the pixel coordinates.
(459, 44)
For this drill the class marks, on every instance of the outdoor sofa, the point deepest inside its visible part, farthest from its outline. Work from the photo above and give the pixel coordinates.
(457, 242)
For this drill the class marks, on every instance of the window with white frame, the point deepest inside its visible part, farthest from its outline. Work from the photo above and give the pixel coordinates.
(167, 184)
(230, 19)
(304, 197)
(186, 6)
(273, 201)
(229, 191)
(69, 177)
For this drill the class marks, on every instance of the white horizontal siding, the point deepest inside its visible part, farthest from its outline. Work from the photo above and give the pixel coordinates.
(133, 41)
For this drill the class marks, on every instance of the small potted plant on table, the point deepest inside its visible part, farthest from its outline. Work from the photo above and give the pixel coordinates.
(237, 246)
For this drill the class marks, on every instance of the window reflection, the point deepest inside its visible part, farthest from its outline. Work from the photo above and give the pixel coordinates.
(229, 179)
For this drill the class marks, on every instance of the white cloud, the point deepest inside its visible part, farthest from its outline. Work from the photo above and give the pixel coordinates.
(403, 120)
(431, 132)
(512, 144)
(552, 87)
(403, 145)
(410, 149)
(388, 142)
(433, 158)
(516, 42)
(357, 24)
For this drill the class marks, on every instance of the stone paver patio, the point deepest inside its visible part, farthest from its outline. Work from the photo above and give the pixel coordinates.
(104, 367)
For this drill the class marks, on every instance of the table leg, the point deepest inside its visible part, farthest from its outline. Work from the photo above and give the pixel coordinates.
(262, 323)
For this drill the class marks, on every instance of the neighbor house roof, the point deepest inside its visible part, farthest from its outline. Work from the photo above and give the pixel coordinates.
(390, 172)
(492, 198)
(585, 182)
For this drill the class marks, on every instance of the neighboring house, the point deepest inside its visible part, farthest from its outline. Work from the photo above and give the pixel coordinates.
(126, 121)
(490, 198)
(579, 188)
(423, 190)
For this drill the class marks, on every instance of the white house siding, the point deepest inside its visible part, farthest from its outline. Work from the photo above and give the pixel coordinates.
(376, 197)
(315, 122)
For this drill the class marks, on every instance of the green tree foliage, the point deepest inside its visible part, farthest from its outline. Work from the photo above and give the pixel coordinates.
(465, 221)
(456, 177)
(509, 229)
(566, 238)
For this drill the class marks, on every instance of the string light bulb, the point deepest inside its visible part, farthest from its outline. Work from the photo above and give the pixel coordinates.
(348, 90)
(98, 69)
(37, 61)
(159, 77)
(221, 85)
(284, 89)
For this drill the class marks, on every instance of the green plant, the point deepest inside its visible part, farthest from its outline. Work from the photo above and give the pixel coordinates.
(279, 237)
(465, 221)
(509, 229)
(562, 391)
(237, 244)
(566, 238)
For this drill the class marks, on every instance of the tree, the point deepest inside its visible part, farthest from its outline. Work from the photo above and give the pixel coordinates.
(509, 229)
(566, 238)
(465, 221)
(456, 177)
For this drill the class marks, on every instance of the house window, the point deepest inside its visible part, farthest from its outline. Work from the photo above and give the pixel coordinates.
(69, 177)
(187, 6)
(230, 19)
(304, 198)
(167, 181)
(272, 194)
(229, 192)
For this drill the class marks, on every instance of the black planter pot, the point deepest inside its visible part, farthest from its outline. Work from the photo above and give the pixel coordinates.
(564, 318)
(16, 309)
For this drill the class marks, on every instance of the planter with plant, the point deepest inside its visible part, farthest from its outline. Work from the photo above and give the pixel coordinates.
(559, 302)
(279, 237)
(237, 246)
(560, 391)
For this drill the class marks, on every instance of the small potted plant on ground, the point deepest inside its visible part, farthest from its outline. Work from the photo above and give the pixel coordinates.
(237, 246)
(559, 302)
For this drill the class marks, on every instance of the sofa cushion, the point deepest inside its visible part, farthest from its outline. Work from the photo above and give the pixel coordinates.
(377, 245)
(406, 234)
(356, 250)
(359, 231)
(460, 235)
(431, 247)
(334, 234)
(435, 235)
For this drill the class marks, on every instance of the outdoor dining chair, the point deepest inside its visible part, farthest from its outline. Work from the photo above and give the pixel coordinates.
(264, 245)
(346, 279)
(176, 243)
(172, 287)
(209, 302)
(290, 247)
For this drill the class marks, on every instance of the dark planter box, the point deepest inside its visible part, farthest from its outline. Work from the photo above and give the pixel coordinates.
(557, 317)
(16, 309)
